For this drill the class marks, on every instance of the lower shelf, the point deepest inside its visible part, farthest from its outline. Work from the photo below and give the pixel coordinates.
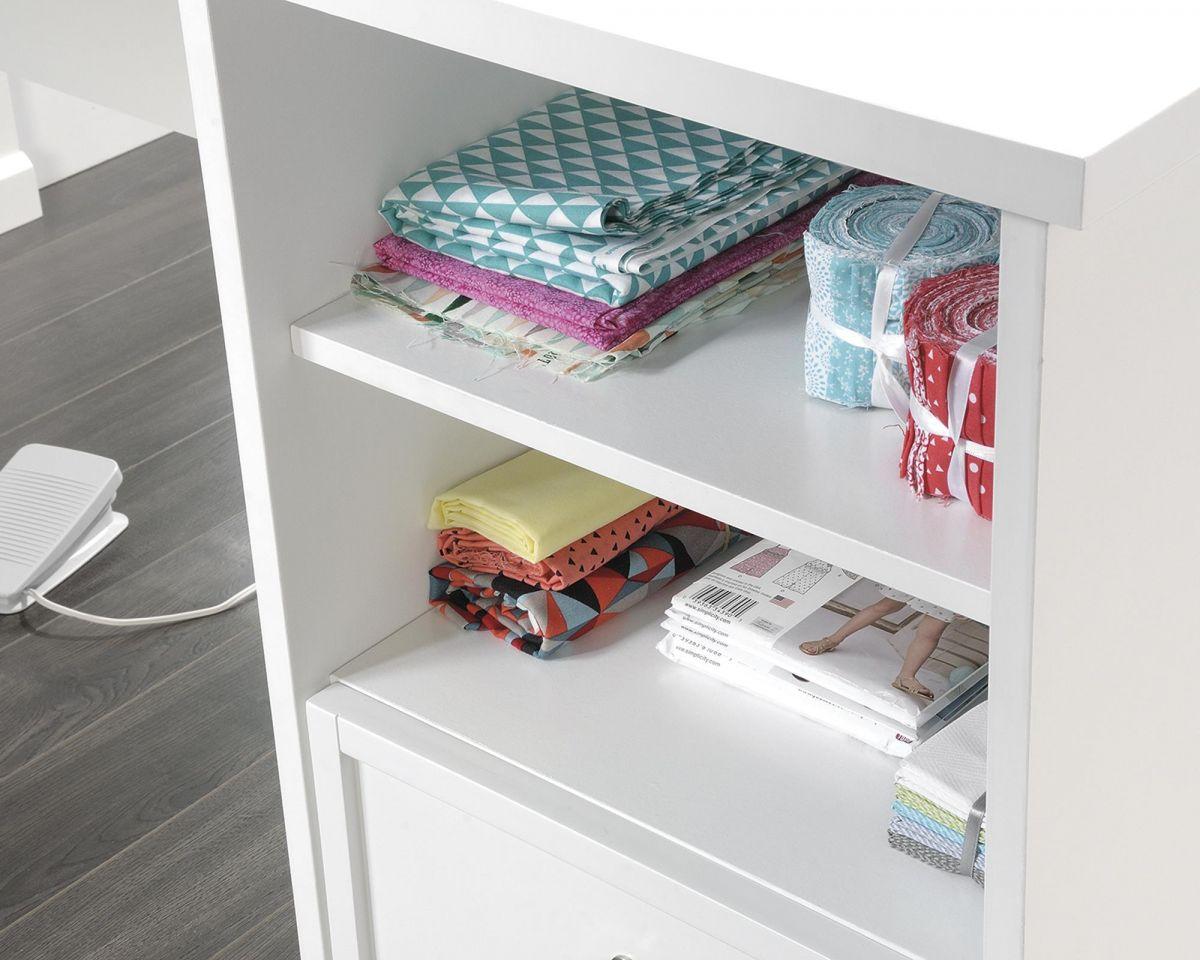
(796, 811)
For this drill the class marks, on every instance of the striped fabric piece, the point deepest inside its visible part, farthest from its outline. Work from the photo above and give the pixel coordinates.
(937, 786)
(934, 858)
(918, 804)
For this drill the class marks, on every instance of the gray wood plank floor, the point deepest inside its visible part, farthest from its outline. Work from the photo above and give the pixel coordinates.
(139, 804)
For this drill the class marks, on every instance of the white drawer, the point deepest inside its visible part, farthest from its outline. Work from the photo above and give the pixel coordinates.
(444, 884)
(434, 848)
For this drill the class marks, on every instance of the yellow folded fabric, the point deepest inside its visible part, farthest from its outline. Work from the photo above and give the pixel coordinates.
(534, 505)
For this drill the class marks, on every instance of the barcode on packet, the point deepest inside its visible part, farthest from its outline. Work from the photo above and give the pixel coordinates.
(728, 602)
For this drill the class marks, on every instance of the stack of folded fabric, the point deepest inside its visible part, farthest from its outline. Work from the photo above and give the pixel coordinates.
(939, 798)
(860, 281)
(571, 335)
(950, 336)
(592, 229)
(539, 552)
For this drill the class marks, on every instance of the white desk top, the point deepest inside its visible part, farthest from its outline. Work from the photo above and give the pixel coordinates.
(1058, 109)
(1063, 76)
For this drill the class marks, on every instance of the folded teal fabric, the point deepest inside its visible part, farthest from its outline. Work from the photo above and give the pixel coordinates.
(602, 198)
(844, 248)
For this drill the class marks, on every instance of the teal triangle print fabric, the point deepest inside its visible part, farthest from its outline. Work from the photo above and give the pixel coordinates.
(602, 198)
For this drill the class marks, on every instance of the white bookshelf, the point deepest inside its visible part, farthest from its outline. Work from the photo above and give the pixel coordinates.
(651, 813)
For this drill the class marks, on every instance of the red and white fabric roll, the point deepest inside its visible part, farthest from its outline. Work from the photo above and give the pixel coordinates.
(950, 342)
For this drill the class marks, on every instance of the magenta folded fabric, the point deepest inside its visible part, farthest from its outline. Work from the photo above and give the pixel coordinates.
(591, 321)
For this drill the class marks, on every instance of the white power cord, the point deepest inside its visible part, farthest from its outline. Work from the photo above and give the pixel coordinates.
(221, 607)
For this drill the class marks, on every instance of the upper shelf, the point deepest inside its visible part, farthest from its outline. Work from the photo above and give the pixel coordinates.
(716, 420)
(1019, 106)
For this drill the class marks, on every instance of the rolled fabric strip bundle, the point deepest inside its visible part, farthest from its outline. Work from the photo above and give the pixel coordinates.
(866, 250)
(949, 337)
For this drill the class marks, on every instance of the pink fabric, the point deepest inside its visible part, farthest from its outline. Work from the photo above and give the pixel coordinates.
(593, 322)
(940, 315)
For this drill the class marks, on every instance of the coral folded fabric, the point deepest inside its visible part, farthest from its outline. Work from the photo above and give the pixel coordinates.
(844, 249)
(936, 787)
(591, 321)
(539, 621)
(942, 314)
(465, 548)
(534, 505)
(602, 198)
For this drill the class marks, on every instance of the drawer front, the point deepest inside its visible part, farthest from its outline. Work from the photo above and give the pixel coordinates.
(443, 884)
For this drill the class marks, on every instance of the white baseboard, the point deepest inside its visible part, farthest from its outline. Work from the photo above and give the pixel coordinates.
(62, 134)
(19, 200)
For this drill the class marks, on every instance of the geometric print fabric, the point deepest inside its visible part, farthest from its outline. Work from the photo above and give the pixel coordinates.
(539, 621)
(600, 197)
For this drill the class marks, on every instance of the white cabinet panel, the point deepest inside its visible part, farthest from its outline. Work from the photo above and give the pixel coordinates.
(445, 884)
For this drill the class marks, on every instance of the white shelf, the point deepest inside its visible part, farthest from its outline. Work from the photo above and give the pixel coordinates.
(782, 803)
(715, 419)
(1035, 122)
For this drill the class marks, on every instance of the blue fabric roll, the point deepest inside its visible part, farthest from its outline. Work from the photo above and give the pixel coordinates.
(844, 248)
